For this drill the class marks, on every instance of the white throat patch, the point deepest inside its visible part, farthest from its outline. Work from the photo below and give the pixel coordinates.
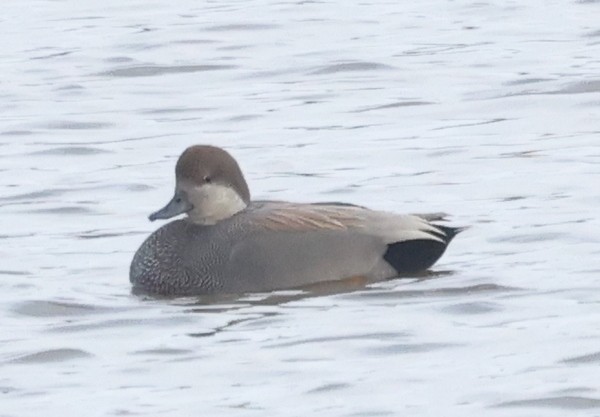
(213, 203)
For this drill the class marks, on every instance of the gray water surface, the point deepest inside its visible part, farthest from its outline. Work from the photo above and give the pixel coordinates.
(485, 110)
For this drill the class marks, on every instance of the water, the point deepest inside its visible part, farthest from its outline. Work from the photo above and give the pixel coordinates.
(485, 110)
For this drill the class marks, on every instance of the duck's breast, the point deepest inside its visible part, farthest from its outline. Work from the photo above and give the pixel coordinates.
(180, 258)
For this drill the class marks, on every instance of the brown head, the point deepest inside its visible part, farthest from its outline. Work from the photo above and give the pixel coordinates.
(209, 186)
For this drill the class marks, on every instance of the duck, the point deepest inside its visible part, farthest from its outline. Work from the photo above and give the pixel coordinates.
(227, 243)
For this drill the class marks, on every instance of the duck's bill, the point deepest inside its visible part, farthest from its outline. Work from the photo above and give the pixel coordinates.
(178, 205)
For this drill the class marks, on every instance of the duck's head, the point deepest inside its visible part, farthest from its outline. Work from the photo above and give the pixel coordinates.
(209, 187)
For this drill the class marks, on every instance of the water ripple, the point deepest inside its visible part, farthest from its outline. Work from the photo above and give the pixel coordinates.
(51, 356)
(350, 67)
(565, 403)
(154, 70)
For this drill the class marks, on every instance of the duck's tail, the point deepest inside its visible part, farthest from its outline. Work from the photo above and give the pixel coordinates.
(420, 254)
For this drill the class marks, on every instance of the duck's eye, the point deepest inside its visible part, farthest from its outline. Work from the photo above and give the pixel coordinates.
(178, 200)
(207, 178)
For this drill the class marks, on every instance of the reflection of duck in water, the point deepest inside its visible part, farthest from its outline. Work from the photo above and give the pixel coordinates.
(229, 244)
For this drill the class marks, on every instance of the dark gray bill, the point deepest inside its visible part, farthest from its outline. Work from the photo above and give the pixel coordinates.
(178, 205)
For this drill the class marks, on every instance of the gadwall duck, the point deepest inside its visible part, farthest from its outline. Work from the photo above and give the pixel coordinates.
(228, 244)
